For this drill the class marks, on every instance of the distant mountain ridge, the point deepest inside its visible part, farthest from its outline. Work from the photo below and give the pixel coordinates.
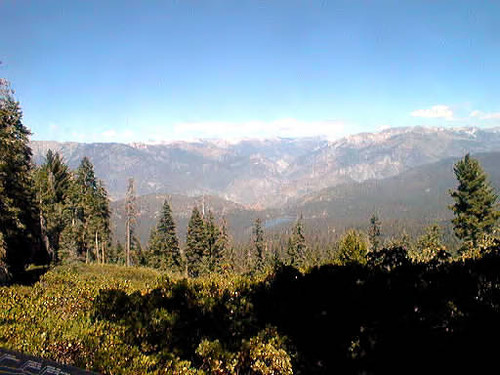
(408, 201)
(270, 172)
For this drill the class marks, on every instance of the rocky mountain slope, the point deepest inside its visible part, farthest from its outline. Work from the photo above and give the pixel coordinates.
(409, 201)
(263, 173)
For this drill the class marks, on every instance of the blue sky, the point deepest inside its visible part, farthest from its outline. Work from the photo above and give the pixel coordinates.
(161, 70)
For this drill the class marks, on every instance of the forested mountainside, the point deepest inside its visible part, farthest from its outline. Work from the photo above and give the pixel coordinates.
(409, 201)
(265, 173)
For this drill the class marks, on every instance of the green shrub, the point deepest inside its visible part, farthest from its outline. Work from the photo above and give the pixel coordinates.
(353, 247)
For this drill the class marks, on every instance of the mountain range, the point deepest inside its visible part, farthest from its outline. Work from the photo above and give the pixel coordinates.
(403, 174)
(270, 172)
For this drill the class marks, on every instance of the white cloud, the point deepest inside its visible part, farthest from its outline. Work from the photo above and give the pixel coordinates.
(230, 131)
(485, 116)
(109, 133)
(78, 137)
(381, 128)
(436, 111)
(113, 135)
(255, 129)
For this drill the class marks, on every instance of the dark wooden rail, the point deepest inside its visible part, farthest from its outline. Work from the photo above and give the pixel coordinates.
(18, 363)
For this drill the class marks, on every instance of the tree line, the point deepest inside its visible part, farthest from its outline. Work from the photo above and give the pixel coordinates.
(51, 213)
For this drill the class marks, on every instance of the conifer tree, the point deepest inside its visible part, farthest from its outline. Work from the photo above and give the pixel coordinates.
(431, 239)
(214, 250)
(374, 233)
(99, 226)
(130, 219)
(88, 215)
(84, 184)
(352, 247)
(195, 244)
(430, 244)
(19, 225)
(116, 254)
(164, 251)
(52, 185)
(297, 246)
(225, 252)
(475, 208)
(258, 244)
(402, 241)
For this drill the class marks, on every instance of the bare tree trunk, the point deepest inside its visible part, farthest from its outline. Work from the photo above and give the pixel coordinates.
(102, 253)
(45, 238)
(131, 213)
(97, 247)
(86, 248)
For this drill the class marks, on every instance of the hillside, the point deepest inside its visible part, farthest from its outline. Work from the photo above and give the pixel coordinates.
(264, 173)
(149, 206)
(410, 201)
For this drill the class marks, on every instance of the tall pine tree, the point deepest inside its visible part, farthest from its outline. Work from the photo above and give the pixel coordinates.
(223, 245)
(258, 244)
(99, 225)
(475, 208)
(19, 225)
(214, 246)
(374, 233)
(88, 229)
(164, 252)
(52, 185)
(195, 244)
(297, 246)
(130, 219)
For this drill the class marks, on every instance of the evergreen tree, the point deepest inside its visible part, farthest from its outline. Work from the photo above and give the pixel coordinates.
(430, 244)
(88, 214)
(19, 225)
(352, 247)
(297, 245)
(475, 208)
(137, 254)
(226, 253)
(195, 244)
(258, 244)
(116, 254)
(214, 246)
(52, 185)
(99, 225)
(130, 219)
(164, 251)
(431, 239)
(374, 233)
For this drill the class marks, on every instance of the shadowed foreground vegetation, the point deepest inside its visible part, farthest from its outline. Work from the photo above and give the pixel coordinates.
(388, 315)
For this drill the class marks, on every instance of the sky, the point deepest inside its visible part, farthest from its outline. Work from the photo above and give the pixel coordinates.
(152, 71)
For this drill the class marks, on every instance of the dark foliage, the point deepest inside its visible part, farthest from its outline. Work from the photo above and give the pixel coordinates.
(19, 227)
(173, 319)
(475, 208)
(389, 316)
